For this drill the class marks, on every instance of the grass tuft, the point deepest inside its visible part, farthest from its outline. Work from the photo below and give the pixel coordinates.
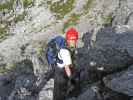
(61, 8)
(73, 20)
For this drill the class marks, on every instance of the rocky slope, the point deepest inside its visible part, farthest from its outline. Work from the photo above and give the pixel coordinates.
(105, 32)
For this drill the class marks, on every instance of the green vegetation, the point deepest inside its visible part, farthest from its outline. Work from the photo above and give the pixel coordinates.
(3, 33)
(49, 2)
(61, 9)
(2, 69)
(40, 51)
(26, 3)
(8, 5)
(6, 68)
(40, 48)
(4, 25)
(107, 19)
(10, 66)
(87, 6)
(73, 20)
(20, 17)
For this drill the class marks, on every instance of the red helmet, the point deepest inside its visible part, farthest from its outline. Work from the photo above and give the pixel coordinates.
(71, 37)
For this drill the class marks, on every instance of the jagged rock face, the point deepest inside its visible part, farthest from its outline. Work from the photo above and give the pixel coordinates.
(25, 31)
(121, 82)
(123, 13)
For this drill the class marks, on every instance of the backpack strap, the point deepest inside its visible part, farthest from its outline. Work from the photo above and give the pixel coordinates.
(58, 60)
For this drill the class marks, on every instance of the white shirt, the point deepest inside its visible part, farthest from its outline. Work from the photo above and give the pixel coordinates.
(64, 55)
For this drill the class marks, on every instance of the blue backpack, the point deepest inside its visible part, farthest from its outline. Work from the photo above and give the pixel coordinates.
(53, 48)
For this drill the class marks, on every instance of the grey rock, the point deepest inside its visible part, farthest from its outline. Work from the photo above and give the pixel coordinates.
(109, 37)
(40, 24)
(25, 66)
(105, 37)
(121, 82)
(47, 91)
(108, 94)
(25, 81)
(89, 94)
(5, 89)
(125, 41)
(109, 58)
(110, 54)
(121, 13)
(18, 82)
(87, 39)
(98, 91)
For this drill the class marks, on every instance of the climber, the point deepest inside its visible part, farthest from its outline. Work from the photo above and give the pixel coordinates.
(59, 58)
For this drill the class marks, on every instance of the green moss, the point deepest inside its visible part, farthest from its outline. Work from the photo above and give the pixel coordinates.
(107, 19)
(2, 69)
(8, 5)
(3, 33)
(71, 21)
(39, 51)
(20, 17)
(26, 3)
(61, 9)
(49, 2)
(6, 68)
(40, 48)
(87, 6)
(10, 66)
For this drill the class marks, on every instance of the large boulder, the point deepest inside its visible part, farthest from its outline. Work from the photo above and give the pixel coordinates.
(109, 37)
(109, 58)
(121, 82)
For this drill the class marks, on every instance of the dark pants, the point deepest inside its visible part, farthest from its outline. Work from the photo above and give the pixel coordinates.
(60, 84)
